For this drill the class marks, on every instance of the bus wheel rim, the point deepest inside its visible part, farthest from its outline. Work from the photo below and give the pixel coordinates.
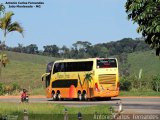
(53, 96)
(85, 96)
(59, 96)
(79, 96)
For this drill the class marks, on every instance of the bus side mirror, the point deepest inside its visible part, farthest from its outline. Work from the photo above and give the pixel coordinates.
(44, 75)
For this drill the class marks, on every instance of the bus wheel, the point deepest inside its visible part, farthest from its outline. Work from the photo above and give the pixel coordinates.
(59, 96)
(79, 96)
(108, 98)
(94, 99)
(54, 96)
(84, 96)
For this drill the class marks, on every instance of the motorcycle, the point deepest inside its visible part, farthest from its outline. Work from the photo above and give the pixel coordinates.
(25, 99)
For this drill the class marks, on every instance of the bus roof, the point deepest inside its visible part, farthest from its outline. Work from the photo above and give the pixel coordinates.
(78, 60)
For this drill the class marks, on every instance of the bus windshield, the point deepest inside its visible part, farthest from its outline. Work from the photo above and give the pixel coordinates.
(73, 66)
(106, 63)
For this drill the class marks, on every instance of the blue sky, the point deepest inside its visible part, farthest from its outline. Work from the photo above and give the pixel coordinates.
(63, 22)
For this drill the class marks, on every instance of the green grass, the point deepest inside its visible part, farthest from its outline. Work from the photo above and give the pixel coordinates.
(139, 93)
(23, 57)
(147, 61)
(150, 65)
(38, 91)
(48, 111)
(25, 69)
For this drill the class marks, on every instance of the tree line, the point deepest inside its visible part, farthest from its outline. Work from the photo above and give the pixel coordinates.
(85, 49)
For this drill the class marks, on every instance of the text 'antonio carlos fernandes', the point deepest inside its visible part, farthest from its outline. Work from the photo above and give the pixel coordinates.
(24, 3)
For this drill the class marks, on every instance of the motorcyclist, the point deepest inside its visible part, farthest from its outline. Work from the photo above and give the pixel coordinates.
(24, 96)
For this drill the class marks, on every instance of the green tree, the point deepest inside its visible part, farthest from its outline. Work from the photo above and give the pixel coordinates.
(32, 49)
(20, 48)
(64, 51)
(7, 26)
(80, 49)
(2, 9)
(51, 50)
(82, 45)
(146, 13)
(98, 50)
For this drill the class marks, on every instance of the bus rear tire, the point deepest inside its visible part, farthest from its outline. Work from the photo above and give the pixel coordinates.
(108, 98)
(84, 96)
(59, 97)
(94, 99)
(79, 96)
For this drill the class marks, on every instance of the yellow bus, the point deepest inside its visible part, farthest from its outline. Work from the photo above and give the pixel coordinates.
(82, 79)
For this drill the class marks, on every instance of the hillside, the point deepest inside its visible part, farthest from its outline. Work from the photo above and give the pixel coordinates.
(147, 61)
(26, 69)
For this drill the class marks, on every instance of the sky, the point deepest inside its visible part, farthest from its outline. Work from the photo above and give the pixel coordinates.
(63, 22)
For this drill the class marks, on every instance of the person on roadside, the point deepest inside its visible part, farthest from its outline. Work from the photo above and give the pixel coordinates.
(23, 95)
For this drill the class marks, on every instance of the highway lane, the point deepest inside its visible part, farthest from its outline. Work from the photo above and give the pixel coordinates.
(131, 105)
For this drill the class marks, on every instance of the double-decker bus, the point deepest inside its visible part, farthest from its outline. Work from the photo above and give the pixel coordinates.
(82, 78)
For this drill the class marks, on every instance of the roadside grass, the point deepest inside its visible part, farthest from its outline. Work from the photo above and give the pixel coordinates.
(139, 93)
(50, 111)
(31, 91)
(147, 61)
(25, 69)
(26, 74)
(38, 91)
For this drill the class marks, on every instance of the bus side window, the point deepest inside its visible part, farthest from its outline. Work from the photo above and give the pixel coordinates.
(55, 69)
(68, 68)
(62, 67)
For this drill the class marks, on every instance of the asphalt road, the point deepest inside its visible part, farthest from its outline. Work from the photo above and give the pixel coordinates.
(131, 105)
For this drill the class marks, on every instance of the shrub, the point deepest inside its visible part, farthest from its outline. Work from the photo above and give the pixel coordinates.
(1, 89)
(156, 83)
(125, 84)
(8, 89)
(16, 86)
